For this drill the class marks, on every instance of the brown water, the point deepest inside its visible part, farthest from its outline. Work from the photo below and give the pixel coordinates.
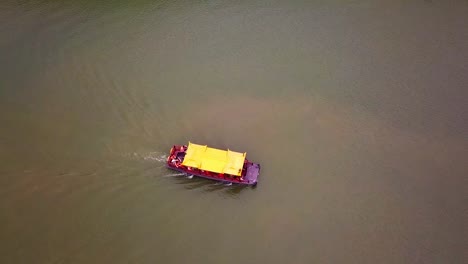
(356, 110)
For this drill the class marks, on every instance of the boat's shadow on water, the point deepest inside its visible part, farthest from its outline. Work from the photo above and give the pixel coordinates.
(210, 186)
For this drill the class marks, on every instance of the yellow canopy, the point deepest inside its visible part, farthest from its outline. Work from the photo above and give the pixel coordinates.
(214, 160)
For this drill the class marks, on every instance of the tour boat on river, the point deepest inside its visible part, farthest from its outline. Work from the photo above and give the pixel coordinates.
(221, 165)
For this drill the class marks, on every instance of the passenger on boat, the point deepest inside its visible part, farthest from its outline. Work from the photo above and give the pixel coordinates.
(176, 161)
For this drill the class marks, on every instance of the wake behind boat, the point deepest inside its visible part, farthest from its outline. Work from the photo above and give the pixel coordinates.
(215, 164)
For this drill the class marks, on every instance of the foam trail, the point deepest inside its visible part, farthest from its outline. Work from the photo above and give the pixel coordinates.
(155, 156)
(151, 156)
(174, 175)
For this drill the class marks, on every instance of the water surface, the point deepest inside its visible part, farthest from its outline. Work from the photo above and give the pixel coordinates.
(357, 111)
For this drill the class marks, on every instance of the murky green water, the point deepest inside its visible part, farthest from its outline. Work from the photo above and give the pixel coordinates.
(357, 111)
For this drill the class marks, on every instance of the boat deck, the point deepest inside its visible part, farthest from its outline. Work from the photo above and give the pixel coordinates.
(253, 170)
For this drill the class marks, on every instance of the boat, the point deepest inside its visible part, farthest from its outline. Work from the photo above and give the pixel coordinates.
(227, 166)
